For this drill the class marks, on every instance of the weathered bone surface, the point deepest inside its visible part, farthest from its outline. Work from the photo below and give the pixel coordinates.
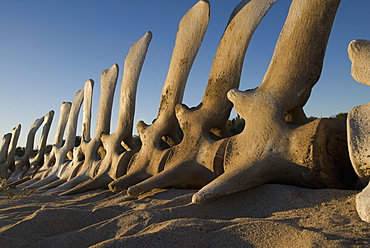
(358, 118)
(270, 149)
(5, 142)
(54, 172)
(119, 145)
(359, 53)
(36, 173)
(363, 204)
(89, 148)
(157, 137)
(23, 164)
(358, 125)
(204, 125)
(8, 166)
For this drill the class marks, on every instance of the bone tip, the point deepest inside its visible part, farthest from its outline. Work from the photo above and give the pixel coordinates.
(114, 68)
(356, 45)
(81, 91)
(141, 126)
(133, 191)
(49, 114)
(89, 83)
(149, 34)
(17, 127)
(113, 188)
(231, 94)
(197, 198)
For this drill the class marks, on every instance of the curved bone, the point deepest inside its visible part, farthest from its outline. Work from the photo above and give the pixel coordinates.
(60, 152)
(90, 148)
(159, 135)
(35, 174)
(8, 166)
(5, 142)
(34, 162)
(115, 162)
(20, 162)
(357, 120)
(205, 124)
(270, 149)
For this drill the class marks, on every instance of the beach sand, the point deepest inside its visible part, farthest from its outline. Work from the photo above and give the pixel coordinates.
(267, 216)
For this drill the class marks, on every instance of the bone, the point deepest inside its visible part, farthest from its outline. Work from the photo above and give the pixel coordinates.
(269, 149)
(363, 204)
(162, 134)
(8, 166)
(90, 148)
(60, 152)
(358, 117)
(115, 162)
(359, 54)
(35, 174)
(5, 142)
(204, 125)
(29, 162)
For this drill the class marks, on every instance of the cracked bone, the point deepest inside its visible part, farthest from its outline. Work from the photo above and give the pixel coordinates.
(204, 125)
(54, 172)
(8, 166)
(115, 162)
(27, 160)
(270, 149)
(358, 117)
(36, 173)
(162, 133)
(86, 169)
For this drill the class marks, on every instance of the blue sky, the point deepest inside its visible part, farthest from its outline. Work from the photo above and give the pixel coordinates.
(49, 48)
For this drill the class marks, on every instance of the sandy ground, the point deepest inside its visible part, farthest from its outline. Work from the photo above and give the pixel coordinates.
(267, 216)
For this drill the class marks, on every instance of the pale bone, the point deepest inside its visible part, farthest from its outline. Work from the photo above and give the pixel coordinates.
(34, 174)
(66, 168)
(87, 169)
(115, 162)
(358, 118)
(29, 162)
(8, 166)
(150, 159)
(269, 149)
(5, 142)
(363, 204)
(204, 125)
(53, 173)
(359, 53)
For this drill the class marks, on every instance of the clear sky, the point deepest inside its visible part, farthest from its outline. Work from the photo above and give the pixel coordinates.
(49, 48)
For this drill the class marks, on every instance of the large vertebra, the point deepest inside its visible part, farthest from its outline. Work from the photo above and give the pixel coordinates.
(270, 149)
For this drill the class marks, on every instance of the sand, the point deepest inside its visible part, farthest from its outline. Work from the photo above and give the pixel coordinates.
(267, 216)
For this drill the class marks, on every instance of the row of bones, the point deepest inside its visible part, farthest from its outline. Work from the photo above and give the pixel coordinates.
(278, 143)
